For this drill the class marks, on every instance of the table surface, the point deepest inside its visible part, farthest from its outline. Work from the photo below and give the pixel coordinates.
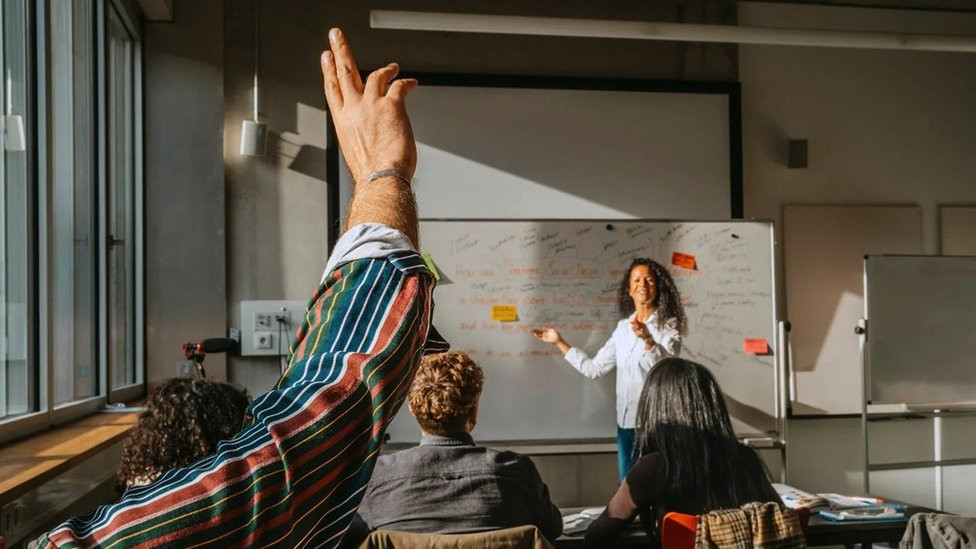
(818, 532)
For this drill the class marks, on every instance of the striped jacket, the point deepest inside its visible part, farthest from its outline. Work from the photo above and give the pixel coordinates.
(295, 475)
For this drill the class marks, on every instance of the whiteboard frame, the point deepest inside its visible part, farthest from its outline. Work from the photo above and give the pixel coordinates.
(868, 404)
(773, 439)
(340, 185)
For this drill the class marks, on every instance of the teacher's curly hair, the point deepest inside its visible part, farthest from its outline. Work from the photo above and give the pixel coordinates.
(184, 420)
(667, 300)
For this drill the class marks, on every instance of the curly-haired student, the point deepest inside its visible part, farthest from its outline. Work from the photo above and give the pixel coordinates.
(448, 484)
(650, 330)
(184, 420)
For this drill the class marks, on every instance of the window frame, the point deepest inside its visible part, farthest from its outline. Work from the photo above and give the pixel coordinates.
(138, 388)
(41, 384)
(67, 411)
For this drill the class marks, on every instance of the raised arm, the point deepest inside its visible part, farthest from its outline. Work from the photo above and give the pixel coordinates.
(294, 475)
(375, 135)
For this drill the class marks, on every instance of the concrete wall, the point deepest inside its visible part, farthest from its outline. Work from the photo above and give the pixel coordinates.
(186, 296)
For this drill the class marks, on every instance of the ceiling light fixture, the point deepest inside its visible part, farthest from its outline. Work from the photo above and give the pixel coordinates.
(254, 134)
(680, 32)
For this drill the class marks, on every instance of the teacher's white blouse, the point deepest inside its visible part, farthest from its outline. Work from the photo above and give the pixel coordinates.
(625, 351)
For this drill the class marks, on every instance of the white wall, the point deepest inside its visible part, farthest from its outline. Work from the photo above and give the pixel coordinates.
(883, 127)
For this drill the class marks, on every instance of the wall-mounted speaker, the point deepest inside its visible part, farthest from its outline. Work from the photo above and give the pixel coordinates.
(797, 154)
(254, 138)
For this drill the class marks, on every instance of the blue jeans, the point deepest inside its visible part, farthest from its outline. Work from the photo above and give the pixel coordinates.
(625, 450)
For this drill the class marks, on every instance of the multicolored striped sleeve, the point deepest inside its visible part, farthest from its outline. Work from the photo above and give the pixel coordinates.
(296, 473)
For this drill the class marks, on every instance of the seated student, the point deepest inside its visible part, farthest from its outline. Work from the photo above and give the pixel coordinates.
(690, 459)
(448, 484)
(184, 420)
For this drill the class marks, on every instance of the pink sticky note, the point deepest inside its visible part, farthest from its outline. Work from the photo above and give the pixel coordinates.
(756, 346)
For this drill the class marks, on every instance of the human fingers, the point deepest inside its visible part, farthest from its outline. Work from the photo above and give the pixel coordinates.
(346, 69)
(333, 95)
(379, 79)
(400, 88)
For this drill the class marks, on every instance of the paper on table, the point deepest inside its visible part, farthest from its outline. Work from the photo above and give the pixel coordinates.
(579, 522)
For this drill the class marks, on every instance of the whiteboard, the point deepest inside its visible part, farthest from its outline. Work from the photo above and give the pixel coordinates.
(566, 274)
(921, 313)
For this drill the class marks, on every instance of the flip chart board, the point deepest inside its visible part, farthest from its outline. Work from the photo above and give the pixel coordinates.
(921, 313)
(500, 279)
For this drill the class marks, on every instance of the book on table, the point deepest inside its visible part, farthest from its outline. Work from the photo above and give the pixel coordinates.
(837, 507)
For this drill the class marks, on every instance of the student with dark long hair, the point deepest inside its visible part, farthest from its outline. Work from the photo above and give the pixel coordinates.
(652, 323)
(690, 461)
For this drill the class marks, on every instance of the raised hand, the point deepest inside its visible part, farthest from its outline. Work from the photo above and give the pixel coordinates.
(375, 136)
(370, 119)
(642, 333)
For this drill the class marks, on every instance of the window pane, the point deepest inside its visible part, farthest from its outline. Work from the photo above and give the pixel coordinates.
(70, 212)
(121, 187)
(16, 379)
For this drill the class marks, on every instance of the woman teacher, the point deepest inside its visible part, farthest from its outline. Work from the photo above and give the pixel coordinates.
(651, 330)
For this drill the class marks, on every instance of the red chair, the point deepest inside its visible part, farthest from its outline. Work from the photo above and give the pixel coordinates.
(678, 529)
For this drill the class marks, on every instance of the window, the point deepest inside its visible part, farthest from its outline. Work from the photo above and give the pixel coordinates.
(70, 213)
(124, 362)
(17, 378)
(71, 236)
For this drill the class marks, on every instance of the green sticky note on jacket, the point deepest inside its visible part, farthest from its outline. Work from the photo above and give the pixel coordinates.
(430, 265)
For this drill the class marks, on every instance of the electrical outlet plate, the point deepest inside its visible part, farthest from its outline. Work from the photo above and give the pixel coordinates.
(261, 317)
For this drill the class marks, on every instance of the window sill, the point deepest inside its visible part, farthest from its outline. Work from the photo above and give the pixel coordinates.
(30, 462)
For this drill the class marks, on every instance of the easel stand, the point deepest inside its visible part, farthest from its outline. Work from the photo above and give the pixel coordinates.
(937, 411)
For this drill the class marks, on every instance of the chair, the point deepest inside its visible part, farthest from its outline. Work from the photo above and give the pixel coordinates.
(520, 537)
(678, 529)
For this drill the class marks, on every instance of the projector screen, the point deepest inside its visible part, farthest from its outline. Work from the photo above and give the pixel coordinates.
(531, 148)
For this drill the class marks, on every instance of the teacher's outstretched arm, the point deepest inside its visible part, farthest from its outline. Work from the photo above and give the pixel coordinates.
(598, 366)
(551, 335)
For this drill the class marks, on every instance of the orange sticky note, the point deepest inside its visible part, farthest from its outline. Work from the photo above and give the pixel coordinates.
(756, 346)
(504, 313)
(683, 260)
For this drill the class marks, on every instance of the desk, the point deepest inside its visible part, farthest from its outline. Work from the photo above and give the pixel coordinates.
(819, 531)
(825, 532)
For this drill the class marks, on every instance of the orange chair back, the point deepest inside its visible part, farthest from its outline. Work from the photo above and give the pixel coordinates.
(678, 531)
